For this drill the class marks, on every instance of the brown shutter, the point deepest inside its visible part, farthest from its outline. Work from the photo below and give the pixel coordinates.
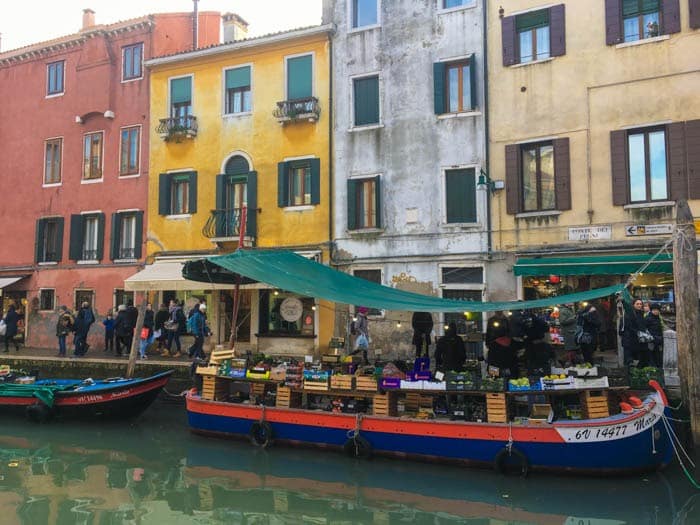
(678, 181)
(562, 173)
(692, 149)
(694, 6)
(557, 30)
(613, 22)
(508, 39)
(671, 12)
(513, 179)
(618, 158)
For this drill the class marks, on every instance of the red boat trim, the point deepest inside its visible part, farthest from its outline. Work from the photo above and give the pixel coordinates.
(87, 398)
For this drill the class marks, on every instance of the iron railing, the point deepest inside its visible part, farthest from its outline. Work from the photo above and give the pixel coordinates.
(127, 253)
(223, 223)
(89, 255)
(298, 109)
(175, 128)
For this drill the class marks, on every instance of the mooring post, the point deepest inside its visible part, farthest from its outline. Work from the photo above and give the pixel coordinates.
(136, 339)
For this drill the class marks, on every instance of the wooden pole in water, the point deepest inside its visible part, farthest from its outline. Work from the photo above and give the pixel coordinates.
(136, 339)
(685, 277)
(236, 291)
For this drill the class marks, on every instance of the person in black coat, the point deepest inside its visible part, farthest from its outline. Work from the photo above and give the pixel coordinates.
(450, 353)
(655, 326)
(590, 322)
(422, 323)
(83, 322)
(633, 322)
(538, 352)
(122, 330)
(11, 320)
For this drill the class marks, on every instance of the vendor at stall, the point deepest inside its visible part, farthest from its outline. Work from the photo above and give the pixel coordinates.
(450, 353)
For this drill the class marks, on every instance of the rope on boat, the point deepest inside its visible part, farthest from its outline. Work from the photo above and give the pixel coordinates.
(677, 440)
(672, 437)
(181, 394)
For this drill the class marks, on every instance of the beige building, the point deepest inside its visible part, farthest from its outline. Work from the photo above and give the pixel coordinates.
(594, 118)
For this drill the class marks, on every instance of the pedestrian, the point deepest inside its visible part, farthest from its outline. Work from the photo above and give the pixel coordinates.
(567, 329)
(197, 323)
(538, 352)
(132, 313)
(64, 326)
(11, 319)
(108, 323)
(160, 332)
(83, 322)
(633, 323)
(589, 321)
(450, 352)
(497, 326)
(147, 330)
(361, 329)
(175, 327)
(122, 331)
(655, 326)
(422, 323)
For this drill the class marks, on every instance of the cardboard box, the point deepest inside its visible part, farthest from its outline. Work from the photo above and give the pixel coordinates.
(411, 385)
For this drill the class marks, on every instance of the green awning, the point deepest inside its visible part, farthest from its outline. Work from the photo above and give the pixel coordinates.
(291, 272)
(598, 265)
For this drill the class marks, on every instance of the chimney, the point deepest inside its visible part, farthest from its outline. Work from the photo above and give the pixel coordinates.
(235, 28)
(88, 19)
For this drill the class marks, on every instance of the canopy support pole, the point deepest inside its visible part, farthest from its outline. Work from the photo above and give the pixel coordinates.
(237, 290)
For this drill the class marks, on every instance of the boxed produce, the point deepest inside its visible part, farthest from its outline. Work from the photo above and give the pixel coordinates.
(519, 385)
(411, 385)
(387, 383)
(556, 382)
(580, 371)
(434, 385)
(492, 384)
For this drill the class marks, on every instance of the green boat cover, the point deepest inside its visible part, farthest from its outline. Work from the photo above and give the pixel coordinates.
(294, 273)
(44, 393)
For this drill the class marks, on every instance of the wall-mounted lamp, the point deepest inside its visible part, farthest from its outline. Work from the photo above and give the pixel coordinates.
(398, 324)
(485, 182)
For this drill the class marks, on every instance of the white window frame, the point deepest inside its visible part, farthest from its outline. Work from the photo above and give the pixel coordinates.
(102, 158)
(126, 80)
(138, 162)
(89, 216)
(223, 91)
(363, 127)
(44, 184)
(63, 80)
(132, 216)
(443, 186)
(468, 4)
(351, 17)
(53, 306)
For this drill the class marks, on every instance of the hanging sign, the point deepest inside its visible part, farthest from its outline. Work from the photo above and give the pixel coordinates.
(291, 309)
(649, 229)
(590, 233)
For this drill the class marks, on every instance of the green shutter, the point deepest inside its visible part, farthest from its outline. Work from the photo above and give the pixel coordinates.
(472, 80)
(115, 236)
(39, 240)
(282, 185)
(100, 236)
(378, 200)
(252, 198)
(75, 246)
(460, 190)
(59, 239)
(164, 181)
(532, 20)
(299, 77)
(315, 181)
(180, 90)
(439, 87)
(192, 205)
(138, 234)
(352, 205)
(366, 99)
(238, 77)
(635, 7)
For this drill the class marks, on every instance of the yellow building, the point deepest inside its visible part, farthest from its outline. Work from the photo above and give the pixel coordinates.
(593, 117)
(243, 125)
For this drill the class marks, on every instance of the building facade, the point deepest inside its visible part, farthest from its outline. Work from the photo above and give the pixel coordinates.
(409, 143)
(75, 159)
(243, 125)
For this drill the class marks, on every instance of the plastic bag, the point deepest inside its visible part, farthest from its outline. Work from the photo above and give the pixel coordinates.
(361, 343)
(3, 327)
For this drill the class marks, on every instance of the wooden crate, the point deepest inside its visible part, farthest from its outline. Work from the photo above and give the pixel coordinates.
(496, 408)
(214, 388)
(287, 399)
(207, 370)
(217, 356)
(385, 404)
(595, 404)
(315, 386)
(342, 382)
(366, 383)
(257, 389)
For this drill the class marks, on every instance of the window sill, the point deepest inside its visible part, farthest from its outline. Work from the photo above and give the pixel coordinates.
(125, 261)
(361, 29)
(130, 176)
(237, 115)
(643, 41)
(286, 336)
(461, 225)
(48, 263)
(127, 80)
(527, 215)
(90, 261)
(91, 181)
(52, 185)
(533, 62)
(305, 207)
(366, 231)
(658, 204)
(356, 129)
(178, 217)
(463, 114)
(54, 95)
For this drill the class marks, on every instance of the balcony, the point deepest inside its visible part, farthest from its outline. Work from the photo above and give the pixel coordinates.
(297, 110)
(127, 253)
(224, 225)
(177, 128)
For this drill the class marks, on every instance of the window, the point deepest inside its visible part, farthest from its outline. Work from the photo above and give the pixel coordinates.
(454, 86)
(374, 276)
(122, 297)
(366, 100)
(364, 203)
(538, 177)
(238, 93)
(448, 4)
(87, 237)
(463, 283)
(47, 299)
(92, 156)
(466, 323)
(49, 240)
(181, 100)
(84, 296)
(640, 19)
(129, 157)
(52, 161)
(235, 188)
(127, 235)
(177, 193)
(460, 196)
(364, 13)
(54, 78)
(648, 176)
(132, 57)
(274, 322)
(634, 20)
(462, 275)
(533, 35)
(299, 182)
(299, 77)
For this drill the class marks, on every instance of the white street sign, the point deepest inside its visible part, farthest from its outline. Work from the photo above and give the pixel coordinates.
(589, 233)
(649, 229)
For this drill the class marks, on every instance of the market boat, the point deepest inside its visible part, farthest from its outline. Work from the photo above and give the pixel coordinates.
(113, 398)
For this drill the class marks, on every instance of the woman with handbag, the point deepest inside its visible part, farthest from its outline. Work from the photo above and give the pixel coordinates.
(632, 324)
(590, 322)
(175, 325)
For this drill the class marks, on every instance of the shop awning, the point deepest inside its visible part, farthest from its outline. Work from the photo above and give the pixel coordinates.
(597, 265)
(166, 275)
(294, 273)
(7, 281)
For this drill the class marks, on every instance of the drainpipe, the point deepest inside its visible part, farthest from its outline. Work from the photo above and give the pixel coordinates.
(330, 143)
(484, 33)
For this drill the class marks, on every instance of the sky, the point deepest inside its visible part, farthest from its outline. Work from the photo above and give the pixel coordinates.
(24, 22)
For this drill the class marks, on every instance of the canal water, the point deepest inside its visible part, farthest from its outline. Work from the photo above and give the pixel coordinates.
(153, 471)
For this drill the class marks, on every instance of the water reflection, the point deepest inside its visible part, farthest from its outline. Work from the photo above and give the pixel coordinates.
(155, 472)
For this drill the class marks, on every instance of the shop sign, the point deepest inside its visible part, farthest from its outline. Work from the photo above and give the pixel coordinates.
(291, 309)
(649, 229)
(590, 233)
(697, 226)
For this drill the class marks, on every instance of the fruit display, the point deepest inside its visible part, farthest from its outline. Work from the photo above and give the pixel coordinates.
(640, 377)
(492, 384)
(521, 384)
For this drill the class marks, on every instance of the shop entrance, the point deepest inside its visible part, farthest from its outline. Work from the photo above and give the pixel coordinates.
(244, 311)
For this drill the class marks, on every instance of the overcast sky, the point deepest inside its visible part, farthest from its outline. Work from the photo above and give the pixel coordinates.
(24, 22)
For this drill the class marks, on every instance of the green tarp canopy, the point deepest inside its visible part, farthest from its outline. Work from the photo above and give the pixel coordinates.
(598, 265)
(291, 272)
(44, 393)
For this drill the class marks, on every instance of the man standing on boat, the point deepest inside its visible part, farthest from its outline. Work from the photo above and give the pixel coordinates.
(422, 323)
(361, 326)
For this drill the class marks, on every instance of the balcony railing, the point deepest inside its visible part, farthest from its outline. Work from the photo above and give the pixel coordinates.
(89, 255)
(177, 128)
(297, 109)
(127, 253)
(224, 223)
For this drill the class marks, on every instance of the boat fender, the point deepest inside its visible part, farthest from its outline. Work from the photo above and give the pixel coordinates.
(511, 460)
(260, 434)
(357, 447)
(38, 413)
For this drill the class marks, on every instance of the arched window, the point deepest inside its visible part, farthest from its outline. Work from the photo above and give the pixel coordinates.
(236, 165)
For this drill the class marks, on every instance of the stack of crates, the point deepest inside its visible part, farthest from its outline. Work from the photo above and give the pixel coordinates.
(385, 404)
(496, 408)
(595, 404)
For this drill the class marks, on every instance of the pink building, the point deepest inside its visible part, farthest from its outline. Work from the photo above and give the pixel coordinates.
(74, 117)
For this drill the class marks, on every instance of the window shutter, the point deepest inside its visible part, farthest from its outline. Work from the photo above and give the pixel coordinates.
(193, 193)
(677, 178)
(562, 173)
(694, 6)
(315, 181)
(39, 240)
(100, 236)
(513, 179)
(378, 200)
(352, 204)
(138, 235)
(238, 77)
(460, 193)
(472, 80)
(180, 90)
(439, 87)
(618, 159)
(613, 22)
(692, 148)
(59, 239)
(282, 186)
(115, 238)
(252, 196)
(366, 101)
(671, 13)
(75, 248)
(221, 192)
(557, 30)
(508, 38)
(164, 194)
(299, 75)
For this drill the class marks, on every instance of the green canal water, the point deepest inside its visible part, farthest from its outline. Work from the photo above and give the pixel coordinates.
(153, 471)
